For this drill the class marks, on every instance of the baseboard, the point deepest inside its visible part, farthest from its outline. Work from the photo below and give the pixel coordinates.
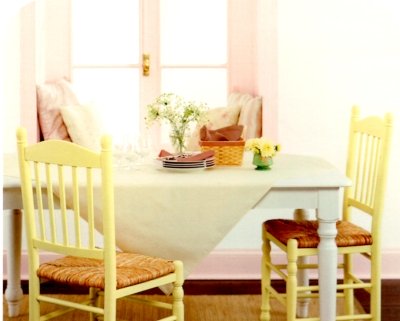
(390, 291)
(245, 265)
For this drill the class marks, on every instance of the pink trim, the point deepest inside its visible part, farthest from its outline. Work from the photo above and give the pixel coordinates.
(245, 265)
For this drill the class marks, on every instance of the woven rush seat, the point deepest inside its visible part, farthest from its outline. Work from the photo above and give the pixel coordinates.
(131, 269)
(305, 232)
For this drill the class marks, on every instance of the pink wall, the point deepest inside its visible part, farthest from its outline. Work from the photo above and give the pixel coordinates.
(267, 65)
(242, 40)
(55, 30)
(44, 54)
(253, 62)
(28, 116)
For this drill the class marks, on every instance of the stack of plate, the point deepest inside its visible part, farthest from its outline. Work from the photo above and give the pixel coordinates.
(176, 163)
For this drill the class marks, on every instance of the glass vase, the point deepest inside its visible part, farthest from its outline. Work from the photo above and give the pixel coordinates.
(178, 139)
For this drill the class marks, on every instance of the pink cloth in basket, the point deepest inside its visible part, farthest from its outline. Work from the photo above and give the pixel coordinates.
(229, 133)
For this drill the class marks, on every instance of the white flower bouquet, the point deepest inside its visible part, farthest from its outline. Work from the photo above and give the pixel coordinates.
(178, 113)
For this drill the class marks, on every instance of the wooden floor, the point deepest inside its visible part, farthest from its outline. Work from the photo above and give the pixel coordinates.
(203, 296)
(197, 308)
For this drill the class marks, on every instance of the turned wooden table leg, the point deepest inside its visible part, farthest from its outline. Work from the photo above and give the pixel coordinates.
(13, 293)
(328, 214)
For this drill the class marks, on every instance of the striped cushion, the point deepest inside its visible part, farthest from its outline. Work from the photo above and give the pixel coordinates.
(131, 269)
(305, 232)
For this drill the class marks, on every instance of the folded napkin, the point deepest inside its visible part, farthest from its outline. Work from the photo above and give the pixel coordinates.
(164, 153)
(186, 157)
(229, 133)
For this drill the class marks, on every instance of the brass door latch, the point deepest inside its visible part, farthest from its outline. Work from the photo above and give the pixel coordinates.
(146, 64)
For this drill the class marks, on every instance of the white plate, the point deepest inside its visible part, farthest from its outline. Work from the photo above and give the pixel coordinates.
(170, 163)
(184, 165)
(184, 170)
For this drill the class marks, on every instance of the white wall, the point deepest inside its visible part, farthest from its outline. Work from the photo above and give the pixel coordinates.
(330, 56)
(333, 54)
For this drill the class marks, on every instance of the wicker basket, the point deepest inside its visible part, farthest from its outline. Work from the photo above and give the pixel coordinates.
(226, 152)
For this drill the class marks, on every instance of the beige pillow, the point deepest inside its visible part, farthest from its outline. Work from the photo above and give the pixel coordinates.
(50, 98)
(251, 117)
(238, 99)
(215, 118)
(83, 125)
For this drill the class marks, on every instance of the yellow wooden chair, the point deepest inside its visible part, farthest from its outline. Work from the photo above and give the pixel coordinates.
(368, 152)
(72, 173)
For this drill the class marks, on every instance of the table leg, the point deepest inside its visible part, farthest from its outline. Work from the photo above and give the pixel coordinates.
(328, 214)
(302, 274)
(13, 293)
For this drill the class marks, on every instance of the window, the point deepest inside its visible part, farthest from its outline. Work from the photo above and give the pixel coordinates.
(109, 38)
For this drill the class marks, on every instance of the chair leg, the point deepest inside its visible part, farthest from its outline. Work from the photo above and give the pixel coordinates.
(110, 305)
(348, 293)
(177, 293)
(265, 281)
(34, 304)
(94, 297)
(291, 286)
(375, 300)
(303, 280)
(302, 274)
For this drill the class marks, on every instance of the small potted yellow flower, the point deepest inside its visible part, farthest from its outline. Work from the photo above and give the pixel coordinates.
(263, 151)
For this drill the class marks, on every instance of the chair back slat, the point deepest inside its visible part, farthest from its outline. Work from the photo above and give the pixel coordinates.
(62, 195)
(373, 169)
(90, 207)
(50, 198)
(63, 205)
(77, 210)
(39, 201)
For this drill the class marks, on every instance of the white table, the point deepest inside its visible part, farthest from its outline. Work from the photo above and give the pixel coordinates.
(296, 182)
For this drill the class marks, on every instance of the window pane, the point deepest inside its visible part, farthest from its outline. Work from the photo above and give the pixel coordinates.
(204, 85)
(193, 31)
(98, 37)
(110, 92)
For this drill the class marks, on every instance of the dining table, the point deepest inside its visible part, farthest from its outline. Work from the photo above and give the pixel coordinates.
(183, 213)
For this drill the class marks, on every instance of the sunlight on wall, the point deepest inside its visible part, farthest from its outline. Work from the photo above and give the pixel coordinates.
(336, 55)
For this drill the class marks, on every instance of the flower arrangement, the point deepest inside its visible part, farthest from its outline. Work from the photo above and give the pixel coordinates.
(178, 113)
(262, 146)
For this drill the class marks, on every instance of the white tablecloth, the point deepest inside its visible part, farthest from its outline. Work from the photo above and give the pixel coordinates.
(184, 215)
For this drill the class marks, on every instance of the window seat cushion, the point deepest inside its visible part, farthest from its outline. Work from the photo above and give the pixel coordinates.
(51, 96)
